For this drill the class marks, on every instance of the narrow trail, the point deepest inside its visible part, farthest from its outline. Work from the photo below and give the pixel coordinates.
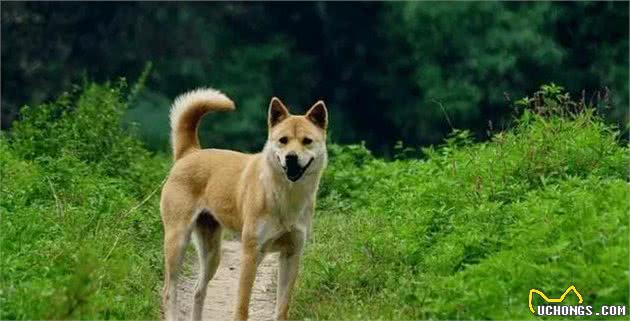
(221, 295)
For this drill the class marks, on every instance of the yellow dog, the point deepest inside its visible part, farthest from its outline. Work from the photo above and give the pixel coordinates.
(268, 197)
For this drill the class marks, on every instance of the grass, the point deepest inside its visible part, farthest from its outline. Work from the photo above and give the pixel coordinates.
(462, 233)
(75, 244)
(466, 232)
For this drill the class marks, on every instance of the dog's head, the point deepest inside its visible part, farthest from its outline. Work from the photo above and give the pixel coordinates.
(296, 145)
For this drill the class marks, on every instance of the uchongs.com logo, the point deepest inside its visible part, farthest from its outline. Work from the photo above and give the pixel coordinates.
(571, 310)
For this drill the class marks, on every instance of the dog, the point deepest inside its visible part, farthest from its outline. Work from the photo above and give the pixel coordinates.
(268, 197)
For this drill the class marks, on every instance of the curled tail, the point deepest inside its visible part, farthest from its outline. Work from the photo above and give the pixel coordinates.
(186, 112)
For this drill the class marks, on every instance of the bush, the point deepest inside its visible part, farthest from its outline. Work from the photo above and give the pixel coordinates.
(468, 230)
(464, 232)
(79, 241)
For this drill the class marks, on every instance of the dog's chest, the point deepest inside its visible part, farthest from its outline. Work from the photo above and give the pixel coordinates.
(288, 211)
(287, 206)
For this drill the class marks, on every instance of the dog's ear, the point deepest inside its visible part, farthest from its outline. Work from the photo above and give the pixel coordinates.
(277, 112)
(318, 115)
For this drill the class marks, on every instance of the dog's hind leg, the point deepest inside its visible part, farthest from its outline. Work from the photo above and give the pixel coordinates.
(207, 239)
(176, 239)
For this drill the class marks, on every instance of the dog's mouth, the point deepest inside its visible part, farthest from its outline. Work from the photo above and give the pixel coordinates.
(294, 171)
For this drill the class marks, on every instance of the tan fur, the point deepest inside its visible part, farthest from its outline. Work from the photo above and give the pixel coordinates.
(211, 189)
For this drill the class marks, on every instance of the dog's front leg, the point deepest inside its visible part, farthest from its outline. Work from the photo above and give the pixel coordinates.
(289, 263)
(250, 258)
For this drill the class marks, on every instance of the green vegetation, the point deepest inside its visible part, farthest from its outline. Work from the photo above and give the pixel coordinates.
(394, 63)
(466, 232)
(77, 240)
(462, 233)
(534, 193)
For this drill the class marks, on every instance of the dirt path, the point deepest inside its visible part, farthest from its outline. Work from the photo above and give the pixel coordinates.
(222, 289)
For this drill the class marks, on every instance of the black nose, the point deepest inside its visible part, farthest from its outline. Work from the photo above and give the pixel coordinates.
(291, 159)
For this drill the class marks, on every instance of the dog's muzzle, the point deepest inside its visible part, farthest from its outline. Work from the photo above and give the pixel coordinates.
(292, 169)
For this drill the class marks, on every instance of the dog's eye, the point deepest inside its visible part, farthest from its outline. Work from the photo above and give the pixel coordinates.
(307, 141)
(283, 140)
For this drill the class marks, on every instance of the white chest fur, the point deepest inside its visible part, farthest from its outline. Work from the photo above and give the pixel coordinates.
(290, 209)
(289, 203)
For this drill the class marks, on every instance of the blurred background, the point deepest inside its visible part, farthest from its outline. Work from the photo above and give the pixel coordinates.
(388, 72)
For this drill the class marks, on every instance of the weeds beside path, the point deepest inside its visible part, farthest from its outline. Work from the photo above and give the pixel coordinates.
(462, 233)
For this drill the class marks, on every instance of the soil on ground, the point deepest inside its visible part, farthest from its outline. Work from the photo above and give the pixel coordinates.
(222, 289)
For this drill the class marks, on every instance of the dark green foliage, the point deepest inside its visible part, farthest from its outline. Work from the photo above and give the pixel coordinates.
(470, 57)
(465, 233)
(389, 71)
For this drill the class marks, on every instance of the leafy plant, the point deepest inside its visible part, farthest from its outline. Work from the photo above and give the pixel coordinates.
(80, 223)
(467, 231)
